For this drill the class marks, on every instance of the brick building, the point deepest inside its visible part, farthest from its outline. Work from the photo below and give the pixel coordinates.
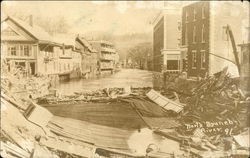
(205, 44)
(166, 33)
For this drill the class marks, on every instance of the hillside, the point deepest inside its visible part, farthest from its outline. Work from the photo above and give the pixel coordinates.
(122, 42)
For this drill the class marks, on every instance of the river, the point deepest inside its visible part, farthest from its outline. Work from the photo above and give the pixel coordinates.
(114, 115)
(123, 78)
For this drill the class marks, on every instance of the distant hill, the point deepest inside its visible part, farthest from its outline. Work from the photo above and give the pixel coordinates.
(121, 42)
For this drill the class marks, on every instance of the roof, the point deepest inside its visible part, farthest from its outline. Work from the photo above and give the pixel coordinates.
(86, 44)
(35, 31)
(244, 44)
(102, 41)
(165, 11)
(66, 39)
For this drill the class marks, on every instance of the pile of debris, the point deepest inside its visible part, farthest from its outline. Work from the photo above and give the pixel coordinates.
(218, 97)
(213, 112)
(32, 87)
(93, 96)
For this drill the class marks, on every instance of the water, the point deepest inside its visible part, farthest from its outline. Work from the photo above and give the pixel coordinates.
(138, 141)
(123, 78)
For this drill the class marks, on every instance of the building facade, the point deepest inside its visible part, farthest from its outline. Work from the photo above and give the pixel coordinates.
(107, 56)
(166, 33)
(88, 57)
(19, 47)
(28, 47)
(205, 43)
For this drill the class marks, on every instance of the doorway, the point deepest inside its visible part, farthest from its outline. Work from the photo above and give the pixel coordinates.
(32, 68)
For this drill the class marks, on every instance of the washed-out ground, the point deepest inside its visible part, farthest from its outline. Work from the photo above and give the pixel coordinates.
(123, 78)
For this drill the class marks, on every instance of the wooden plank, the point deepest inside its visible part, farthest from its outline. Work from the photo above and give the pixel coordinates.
(38, 115)
(14, 150)
(164, 102)
(87, 132)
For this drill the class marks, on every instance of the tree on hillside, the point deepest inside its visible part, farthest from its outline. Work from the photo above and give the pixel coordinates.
(52, 25)
(139, 54)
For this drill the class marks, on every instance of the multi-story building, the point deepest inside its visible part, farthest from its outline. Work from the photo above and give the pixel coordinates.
(205, 41)
(29, 47)
(107, 56)
(88, 57)
(166, 39)
(69, 60)
(20, 43)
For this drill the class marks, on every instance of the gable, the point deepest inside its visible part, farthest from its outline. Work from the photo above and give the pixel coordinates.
(12, 32)
(9, 32)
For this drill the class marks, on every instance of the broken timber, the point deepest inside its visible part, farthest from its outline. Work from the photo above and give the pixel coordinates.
(164, 102)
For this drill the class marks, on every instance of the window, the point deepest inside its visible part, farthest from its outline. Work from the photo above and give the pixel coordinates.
(172, 65)
(64, 67)
(68, 67)
(21, 50)
(194, 59)
(186, 35)
(186, 16)
(195, 14)
(12, 50)
(203, 59)
(203, 12)
(60, 68)
(194, 34)
(54, 65)
(203, 34)
(26, 50)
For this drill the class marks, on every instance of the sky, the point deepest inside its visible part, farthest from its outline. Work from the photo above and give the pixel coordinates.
(113, 17)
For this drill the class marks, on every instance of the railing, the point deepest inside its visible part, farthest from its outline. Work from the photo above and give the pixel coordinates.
(107, 57)
(18, 57)
(172, 71)
(48, 59)
(111, 50)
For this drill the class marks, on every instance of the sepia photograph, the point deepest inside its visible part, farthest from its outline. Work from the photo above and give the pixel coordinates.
(125, 79)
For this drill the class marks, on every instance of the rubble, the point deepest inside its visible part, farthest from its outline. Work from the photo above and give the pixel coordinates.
(217, 97)
(93, 96)
(210, 117)
(216, 109)
(164, 102)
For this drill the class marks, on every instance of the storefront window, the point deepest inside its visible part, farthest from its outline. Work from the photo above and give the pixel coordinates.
(172, 65)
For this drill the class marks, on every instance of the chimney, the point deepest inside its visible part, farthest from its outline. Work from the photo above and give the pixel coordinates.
(31, 20)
